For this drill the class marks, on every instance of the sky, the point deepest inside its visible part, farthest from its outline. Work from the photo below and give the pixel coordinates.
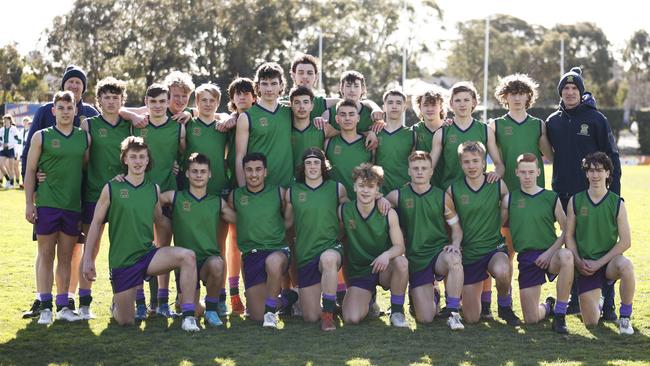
(25, 20)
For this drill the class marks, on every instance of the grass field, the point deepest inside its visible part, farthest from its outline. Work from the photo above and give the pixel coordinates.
(243, 342)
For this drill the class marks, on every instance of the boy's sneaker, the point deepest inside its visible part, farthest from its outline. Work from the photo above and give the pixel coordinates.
(71, 304)
(559, 324)
(163, 310)
(222, 308)
(34, 310)
(212, 319)
(189, 324)
(625, 326)
(236, 305)
(455, 322)
(141, 312)
(445, 313)
(506, 313)
(46, 317)
(573, 308)
(67, 315)
(270, 320)
(374, 310)
(327, 321)
(398, 320)
(486, 313)
(609, 314)
(85, 313)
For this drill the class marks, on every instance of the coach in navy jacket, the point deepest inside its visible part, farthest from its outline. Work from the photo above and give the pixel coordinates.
(574, 131)
(74, 79)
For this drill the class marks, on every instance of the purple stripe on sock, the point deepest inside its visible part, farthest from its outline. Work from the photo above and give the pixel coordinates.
(223, 292)
(453, 302)
(163, 293)
(486, 296)
(341, 287)
(233, 282)
(139, 294)
(560, 307)
(62, 299)
(46, 297)
(397, 299)
(504, 301)
(84, 292)
(211, 299)
(329, 297)
(187, 307)
(271, 302)
(626, 310)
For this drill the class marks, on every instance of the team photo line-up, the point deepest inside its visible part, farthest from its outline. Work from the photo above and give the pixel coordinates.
(317, 201)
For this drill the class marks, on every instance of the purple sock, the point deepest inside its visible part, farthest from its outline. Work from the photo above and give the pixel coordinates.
(222, 292)
(233, 282)
(211, 299)
(397, 299)
(163, 293)
(486, 296)
(505, 301)
(271, 302)
(62, 299)
(625, 310)
(560, 307)
(84, 292)
(46, 297)
(139, 294)
(453, 303)
(329, 297)
(188, 309)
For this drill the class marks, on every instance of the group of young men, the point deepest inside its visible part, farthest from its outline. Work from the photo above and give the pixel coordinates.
(334, 196)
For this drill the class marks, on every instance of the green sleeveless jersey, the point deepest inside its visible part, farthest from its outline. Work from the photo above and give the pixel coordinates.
(365, 119)
(163, 144)
(423, 221)
(195, 223)
(596, 230)
(392, 155)
(270, 134)
(514, 139)
(205, 139)
(480, 217)
(367, 239)
(104, 162)
(62, 159)
(452, 137)
(316, 219)
(344, 157)
(532, 220)
(320, 106)
(260, 225)
(424, 143)
(230, 159)
(301, 140)
(130, 222)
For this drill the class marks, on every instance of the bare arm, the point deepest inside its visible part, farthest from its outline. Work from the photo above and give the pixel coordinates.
(392, 197)
(544, 144)
(492, 149)
(241, 146)
(167, 198)
(288, 209)
(227, 213)
(181, 139)
(436, 147)
(94, 234)
(161, 221)
(451, 216)
(33, 156)
(624, 238)
(343, 194)
(504, 208)
(396, 236)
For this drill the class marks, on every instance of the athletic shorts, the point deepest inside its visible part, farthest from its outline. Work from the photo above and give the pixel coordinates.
(254, 266)
(51, 220)
(8, 153)
(478, 271)
(427, 275)
(310, 274)
(530, 275)
(368, 282)
(88, 212)
(596, 280)
(126, 278)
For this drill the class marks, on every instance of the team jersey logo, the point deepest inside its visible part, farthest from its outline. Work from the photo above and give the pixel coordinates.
(337, 150)
(264, 122)
(56, 143)
(352, 224)
(302, 196)
(196, 131)
(187, 206)
(243, 201)
(464, 199)
(453, 139)
(521, 203)
(103, 132)
(508, 131)
(584, 211)
(409, 203)
(584, 130)
(124, 193)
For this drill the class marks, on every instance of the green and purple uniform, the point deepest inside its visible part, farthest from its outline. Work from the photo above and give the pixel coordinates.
(204, 138)
(367, 238)
(365, 119)
(596, 231)
(164, 143)
(392, 155)
(270, 134)
(301, 140)
(513, 139)
(532, 220)
(452, 137)
(195, 223)
(260, 225)
(424, 143)
(344, 157)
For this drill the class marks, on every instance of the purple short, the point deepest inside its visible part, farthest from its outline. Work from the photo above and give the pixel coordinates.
(597, 280)
(426, 275)
(88, 212)
(368, 282)
(51, 220)
(126, 278)
(254, 266)
(309, 274)
(478, 271)
(8, 153)
(530, 275)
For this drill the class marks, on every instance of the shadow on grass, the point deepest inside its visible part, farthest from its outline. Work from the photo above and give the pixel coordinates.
(244, 342)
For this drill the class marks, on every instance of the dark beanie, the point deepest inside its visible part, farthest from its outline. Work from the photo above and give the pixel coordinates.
(73, 71)
(572, 77)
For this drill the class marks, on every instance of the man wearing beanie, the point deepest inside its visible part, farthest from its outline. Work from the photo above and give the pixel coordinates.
(74, 80)
(576, 130)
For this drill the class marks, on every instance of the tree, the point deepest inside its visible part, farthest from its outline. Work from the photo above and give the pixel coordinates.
(636, 59)
(11, 70)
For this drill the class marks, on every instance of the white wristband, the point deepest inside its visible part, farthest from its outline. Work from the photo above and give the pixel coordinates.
(453, 220)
